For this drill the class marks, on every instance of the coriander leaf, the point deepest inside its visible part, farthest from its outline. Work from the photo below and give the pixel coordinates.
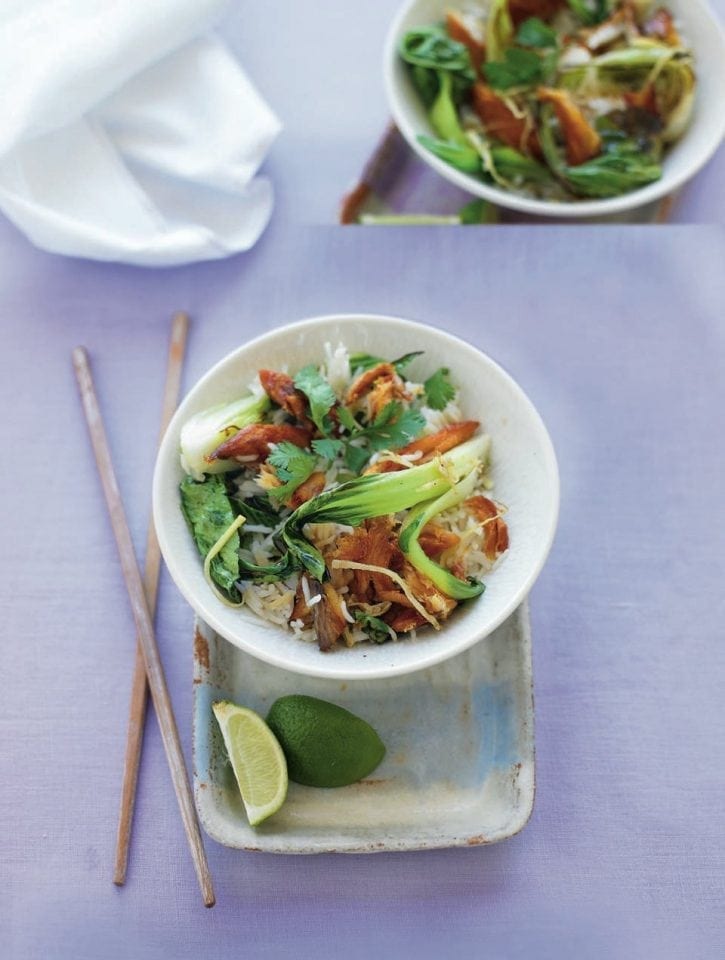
(347, 419)
(319, 393)
(439, 389)
(535, 33)
(292, 466)
(394, 427)
(520, 68)
(208, 512)
(591, 12)
(327, 448)
(402, 362)
(377, 630)
(365, 361)
(356, 458)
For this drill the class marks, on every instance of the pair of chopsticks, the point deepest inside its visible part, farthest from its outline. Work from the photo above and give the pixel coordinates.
(148, 675)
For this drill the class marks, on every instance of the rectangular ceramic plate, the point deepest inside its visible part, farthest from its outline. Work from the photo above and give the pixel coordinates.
(459, 767)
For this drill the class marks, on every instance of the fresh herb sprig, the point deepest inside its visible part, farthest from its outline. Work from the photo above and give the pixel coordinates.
(320, 395)
(439, 390)
(395, 426)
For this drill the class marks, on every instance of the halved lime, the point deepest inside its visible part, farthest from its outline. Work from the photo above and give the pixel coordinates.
(256, 757)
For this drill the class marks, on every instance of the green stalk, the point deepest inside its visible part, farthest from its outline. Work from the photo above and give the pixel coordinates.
(414, 523)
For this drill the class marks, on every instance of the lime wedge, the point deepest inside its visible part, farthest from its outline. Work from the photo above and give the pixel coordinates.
(256, 757)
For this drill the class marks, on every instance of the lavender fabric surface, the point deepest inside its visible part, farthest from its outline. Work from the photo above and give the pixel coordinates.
(617, 336)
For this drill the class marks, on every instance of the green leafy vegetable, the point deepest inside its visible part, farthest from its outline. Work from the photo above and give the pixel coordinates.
(425, 82)
(443, 114)
(591, 12)
(612, 174)
(519, 68)
(535, 33)
(431, 47)
(393, 427)
(209, 513)
(438, 389)
(346, 418)
(356, 457)
(377, 630)
(430, 53)
(292, 466)
(207, 430)
(327, 448)
(257, 510)
(463, 158)
(514, 166)
(624, 165)
(319, 393)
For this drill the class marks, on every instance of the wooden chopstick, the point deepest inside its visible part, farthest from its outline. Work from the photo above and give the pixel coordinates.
(143, 621)
(665, 208)
(375, 169)
(152, 566)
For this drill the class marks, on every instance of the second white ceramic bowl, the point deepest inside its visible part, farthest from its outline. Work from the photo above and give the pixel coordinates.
(682, 161)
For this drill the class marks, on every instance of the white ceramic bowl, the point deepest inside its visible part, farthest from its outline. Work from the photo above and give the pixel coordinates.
(705, 37)
(524, 472)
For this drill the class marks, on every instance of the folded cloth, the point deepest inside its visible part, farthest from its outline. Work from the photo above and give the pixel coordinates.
(128, 132)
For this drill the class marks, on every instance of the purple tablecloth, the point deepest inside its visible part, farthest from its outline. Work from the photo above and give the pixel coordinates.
(618, 337)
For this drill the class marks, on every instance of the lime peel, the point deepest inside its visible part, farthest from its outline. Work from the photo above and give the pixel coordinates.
(325, 745)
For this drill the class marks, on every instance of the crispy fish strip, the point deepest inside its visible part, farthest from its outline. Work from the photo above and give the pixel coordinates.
(523, 9)
(313, 485)
(429, 446)
(403, 619)
(435, 540)
(381, 384)
(495, 530)
(458, 29)
(500, 121)
(581, 139)
(254, 441)
(280, 388)
(396, 578)
(328, 618)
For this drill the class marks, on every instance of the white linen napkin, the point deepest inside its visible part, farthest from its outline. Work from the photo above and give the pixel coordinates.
(128, 132)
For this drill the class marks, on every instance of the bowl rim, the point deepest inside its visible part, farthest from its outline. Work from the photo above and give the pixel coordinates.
(330, 667)
(542, 208)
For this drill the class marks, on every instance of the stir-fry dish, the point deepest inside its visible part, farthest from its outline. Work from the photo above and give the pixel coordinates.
(346, 503)
(555, 99)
